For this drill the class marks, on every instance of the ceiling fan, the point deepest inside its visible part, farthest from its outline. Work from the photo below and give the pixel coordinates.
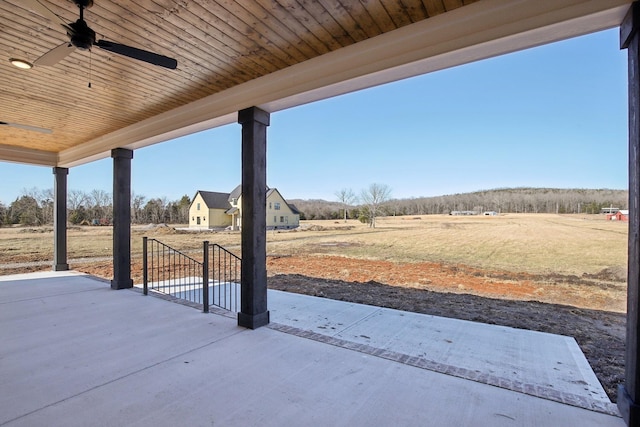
(82, 37)
(26, 127)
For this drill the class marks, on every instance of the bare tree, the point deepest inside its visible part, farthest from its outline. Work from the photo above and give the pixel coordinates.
(373, 197)
(137, 204)
(75, 199)
(46, 203)
(346, 197)
(101, 205)
(156, 210)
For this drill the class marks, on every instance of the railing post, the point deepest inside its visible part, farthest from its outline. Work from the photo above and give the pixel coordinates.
(205, 277)
(145, 277)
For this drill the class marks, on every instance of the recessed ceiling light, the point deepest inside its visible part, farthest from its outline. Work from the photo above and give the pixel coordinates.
(21, 63)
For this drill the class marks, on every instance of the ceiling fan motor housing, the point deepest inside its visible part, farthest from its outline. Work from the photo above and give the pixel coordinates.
(81, 35)
(85, 4)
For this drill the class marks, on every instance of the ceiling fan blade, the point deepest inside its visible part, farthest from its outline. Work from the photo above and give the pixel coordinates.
(44, 11)
(26, 127)
(55, 55)
(139, 54)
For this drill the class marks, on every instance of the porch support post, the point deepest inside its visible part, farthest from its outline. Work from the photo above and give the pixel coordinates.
(253, 304)
(629, 392)
(60, 219)
(121, 218)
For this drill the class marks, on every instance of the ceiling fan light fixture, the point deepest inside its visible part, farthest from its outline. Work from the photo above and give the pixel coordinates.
(21, 63)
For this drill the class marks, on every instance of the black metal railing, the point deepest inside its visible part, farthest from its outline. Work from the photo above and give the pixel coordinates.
(214, 281)
(223, 269)
(168, 271)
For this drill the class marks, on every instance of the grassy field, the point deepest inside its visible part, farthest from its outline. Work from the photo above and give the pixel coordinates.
(532, 243)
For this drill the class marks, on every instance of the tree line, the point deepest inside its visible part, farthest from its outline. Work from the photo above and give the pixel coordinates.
(501, 200)
(35, 207)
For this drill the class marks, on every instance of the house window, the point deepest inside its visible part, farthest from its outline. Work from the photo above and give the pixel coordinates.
(198, 206)
(281, 219)
(276, 206)
(234, 201)
(198, 221)
(269, 205)
(275, 219)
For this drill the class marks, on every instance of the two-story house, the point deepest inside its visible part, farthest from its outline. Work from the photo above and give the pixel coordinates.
(211, 210)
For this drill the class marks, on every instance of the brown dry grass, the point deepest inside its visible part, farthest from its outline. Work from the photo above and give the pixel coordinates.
(531, 243)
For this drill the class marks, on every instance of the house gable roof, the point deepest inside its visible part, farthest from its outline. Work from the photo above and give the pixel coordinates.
(236, 193)
(293, 208)
(214, 200)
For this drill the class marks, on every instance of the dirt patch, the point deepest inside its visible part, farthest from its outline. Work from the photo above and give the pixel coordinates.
(553, 288)
(591, 309)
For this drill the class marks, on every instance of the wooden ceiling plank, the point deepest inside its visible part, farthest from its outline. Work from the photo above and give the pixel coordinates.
(434, 7)
(280, 28)
(286, 18)
(308, 23)
(361, 17)
(67, 11)
(396, 12)
(211, 42)
(256, 44)
(245, 15)
(450, 5)
(415, 10)
(231, 40)
(328, 22)
(379, 14)
(191, 56)
(344, 19)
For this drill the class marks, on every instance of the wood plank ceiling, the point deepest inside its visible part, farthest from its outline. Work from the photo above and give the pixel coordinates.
(218, 44)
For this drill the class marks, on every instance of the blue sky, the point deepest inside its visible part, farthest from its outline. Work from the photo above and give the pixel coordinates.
(552, 116)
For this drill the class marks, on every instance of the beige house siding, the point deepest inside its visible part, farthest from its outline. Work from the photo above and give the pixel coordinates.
(279, 214)
(218, 218)
(198, 213)
(200, 216)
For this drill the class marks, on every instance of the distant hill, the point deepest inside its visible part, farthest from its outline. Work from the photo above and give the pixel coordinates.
(501, 200)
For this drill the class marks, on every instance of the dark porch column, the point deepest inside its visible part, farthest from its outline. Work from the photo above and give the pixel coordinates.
(253, 305)
(629, 393)
(121, 218)
(60, 219)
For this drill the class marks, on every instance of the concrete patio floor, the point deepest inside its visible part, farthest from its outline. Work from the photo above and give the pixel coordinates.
(76, 353)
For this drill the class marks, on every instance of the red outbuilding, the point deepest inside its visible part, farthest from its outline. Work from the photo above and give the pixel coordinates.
(621, 215)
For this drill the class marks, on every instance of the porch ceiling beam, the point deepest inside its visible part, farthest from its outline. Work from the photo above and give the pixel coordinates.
(26, 155)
